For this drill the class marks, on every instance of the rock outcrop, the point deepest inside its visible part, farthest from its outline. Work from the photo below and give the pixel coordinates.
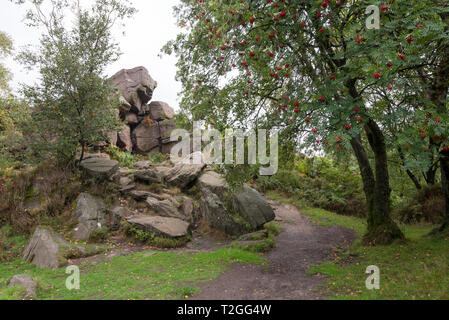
(147, 127)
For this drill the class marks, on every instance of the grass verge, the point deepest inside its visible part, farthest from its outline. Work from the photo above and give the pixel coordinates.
(416, 269)
(145, 275)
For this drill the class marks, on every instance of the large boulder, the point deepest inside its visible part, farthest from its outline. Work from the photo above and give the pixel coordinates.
(124, 139)
(161, 226)
(160, 111)
(252, 207)
(90, 213)
(218, 217)
(24, 281)
(185, 172)
(45, 249)
(99, 168)
(214, 182)
(147, 137)
(135, 85)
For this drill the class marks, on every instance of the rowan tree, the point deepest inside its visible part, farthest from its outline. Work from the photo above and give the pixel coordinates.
(313, 68)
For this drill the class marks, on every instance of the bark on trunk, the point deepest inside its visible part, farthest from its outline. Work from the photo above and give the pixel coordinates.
(382, 230)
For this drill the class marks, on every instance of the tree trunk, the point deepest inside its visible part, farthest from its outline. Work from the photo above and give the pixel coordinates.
(381, 227)
(445, 181)
(382, 230)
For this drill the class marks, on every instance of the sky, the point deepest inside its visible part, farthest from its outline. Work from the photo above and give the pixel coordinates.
(145, 34)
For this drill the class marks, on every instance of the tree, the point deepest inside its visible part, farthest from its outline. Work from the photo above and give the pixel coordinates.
(73, 104)
(309, 68)
(5, 50)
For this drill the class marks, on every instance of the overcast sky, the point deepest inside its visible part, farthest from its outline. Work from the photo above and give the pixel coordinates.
(145, 34)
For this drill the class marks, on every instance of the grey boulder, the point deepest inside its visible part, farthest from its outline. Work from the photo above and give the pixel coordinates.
(90, 213)
(218, 217)
(253, 207)
(45, 249)
(161, 226)
(185, 171)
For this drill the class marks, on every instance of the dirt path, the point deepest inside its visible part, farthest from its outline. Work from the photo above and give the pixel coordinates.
(300, 246)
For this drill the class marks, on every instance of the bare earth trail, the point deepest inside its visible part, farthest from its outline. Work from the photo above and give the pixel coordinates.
(300, 246)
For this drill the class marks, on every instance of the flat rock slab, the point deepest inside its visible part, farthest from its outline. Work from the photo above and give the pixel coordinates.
(100, 168)
(24, 281)
(161, 226)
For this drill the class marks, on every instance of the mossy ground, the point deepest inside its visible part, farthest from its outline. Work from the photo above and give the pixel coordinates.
(412, 269)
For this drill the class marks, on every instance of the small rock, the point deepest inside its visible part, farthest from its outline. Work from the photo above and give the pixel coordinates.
(22, 280)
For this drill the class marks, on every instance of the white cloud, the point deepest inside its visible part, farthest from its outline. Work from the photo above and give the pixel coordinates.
(145, 34)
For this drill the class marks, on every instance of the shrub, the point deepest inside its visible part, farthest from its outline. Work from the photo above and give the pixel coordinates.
(319, 183)
(99, 235)
(426, 205)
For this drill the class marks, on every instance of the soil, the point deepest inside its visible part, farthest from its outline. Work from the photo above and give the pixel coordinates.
(300, 246)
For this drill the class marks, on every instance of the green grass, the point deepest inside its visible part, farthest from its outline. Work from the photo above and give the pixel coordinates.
(163, 275)
(416, 269)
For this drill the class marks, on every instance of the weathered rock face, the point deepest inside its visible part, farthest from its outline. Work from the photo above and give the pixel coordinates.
(163, 208)
(250, 204)
(216, 215)
(135, 85)
(184, 172)
(115, 217)
(99, 168)
(247, 205)
(161, 226)
(124, 139)
(214, 182)
(45, 249)
(160, 111)
(24, 281)
(146, 137)
(148, 125)
(149, 175)
(90, 213)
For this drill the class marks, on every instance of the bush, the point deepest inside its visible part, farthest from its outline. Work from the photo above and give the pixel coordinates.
(319, 183)
(426, 205)
(99, 235)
